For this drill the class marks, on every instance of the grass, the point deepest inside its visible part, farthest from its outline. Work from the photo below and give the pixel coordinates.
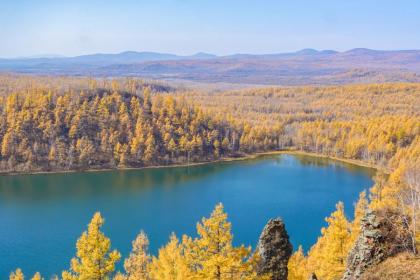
(403, 266)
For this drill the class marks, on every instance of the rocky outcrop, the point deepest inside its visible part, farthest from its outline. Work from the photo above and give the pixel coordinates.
(313, 277)
(274, 249)
(382, 235)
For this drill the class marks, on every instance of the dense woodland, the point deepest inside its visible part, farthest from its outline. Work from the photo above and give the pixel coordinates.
(79, 123)
(75, 123)
(107, 127)
(363, 122)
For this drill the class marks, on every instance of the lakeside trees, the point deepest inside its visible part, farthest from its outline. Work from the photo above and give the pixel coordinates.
(45, 125)
(49, 131)
(211, 255)
(136, 264)
(116, 124)
(75, 123)
(93, 260)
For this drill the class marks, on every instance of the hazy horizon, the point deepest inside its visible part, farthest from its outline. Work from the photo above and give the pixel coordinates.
(217, 27)
(57, 55)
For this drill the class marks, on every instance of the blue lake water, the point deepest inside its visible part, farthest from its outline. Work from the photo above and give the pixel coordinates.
(42, 216)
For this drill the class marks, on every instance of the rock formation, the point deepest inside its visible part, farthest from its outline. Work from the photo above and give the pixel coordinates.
(382, 235)
(313, 277)
(274, 249)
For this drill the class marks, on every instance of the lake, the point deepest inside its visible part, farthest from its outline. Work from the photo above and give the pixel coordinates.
(42, 216)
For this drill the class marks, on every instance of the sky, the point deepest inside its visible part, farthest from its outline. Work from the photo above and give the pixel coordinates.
(31, 28)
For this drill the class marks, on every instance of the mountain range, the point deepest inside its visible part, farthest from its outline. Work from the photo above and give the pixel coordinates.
(307, 66)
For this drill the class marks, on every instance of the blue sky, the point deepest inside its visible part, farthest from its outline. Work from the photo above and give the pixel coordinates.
(217, 26)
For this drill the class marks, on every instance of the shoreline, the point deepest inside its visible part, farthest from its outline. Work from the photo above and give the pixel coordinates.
(344, 160)
(221, 160)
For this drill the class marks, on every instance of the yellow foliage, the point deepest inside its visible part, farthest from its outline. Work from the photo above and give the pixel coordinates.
(93, 260)
(79, 128)
(297, 266)
(359, 212)
(212, 255)
(17, 275)
(136, 264)
(327, 258)
(170, 263)
(37, 276)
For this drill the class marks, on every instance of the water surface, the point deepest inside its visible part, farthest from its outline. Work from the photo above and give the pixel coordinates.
(41, 216)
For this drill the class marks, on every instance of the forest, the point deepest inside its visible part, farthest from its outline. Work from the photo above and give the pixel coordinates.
(60, 124)
(74, 123)
(43, 129)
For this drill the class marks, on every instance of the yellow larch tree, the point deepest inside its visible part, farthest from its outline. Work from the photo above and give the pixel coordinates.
(315, 254)
(212, 255)
(359, 212)
(17, 275)
(37, 276)
(170, 263)
(391, 190)
(136, 264)
(327, 258)
(7, 145)
(375, 192)
(94, 260)
(149, 152)
(297, 266)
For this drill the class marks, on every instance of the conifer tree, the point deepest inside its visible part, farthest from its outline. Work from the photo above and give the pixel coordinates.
(17, 275)
(170, 263)
(6, 144)
(327, 258)
(37, 276)
(297, 266)
(172, 147)
(380, 180)
(359, 213)
(216, 145)
(150, 149)
(94, 260)
(136, 264)
(213, 255)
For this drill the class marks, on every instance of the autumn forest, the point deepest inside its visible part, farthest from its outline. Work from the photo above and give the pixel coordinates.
(66, 124)
(209, 140)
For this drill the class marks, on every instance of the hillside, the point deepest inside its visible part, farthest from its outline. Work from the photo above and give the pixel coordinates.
(401, 267)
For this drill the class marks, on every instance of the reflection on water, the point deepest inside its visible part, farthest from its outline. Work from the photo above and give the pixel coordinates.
(42, 215)
(326, 162)
(85, 184)
(82, 184)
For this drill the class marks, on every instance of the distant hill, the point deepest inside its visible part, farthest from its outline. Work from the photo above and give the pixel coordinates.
(307, 66)
(101, 59)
